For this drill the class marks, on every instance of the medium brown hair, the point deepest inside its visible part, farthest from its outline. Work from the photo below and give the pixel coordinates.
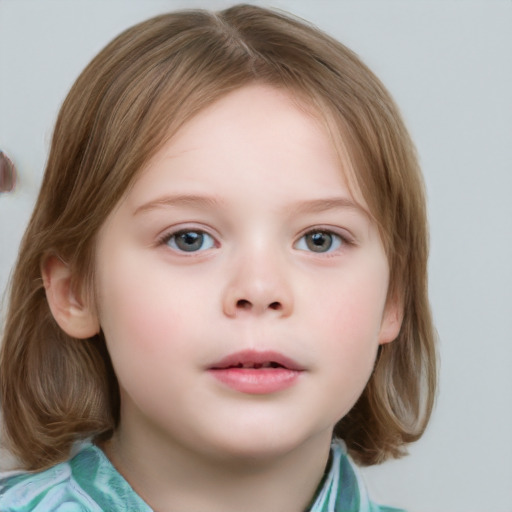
(132, 97)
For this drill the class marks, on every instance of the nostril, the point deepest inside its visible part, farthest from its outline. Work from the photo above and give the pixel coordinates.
(243, 304)
(246, 304)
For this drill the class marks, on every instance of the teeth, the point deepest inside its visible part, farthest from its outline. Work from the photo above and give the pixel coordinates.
(257, 366)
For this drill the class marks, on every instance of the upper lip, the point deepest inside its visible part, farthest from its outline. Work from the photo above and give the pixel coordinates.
(256, 359)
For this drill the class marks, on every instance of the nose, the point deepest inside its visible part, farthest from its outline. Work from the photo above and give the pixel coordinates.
(258, 286)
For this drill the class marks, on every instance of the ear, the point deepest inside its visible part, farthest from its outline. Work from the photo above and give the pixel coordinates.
(74, 317)
(391, 320)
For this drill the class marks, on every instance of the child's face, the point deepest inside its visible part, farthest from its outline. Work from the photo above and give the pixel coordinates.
(241, 243)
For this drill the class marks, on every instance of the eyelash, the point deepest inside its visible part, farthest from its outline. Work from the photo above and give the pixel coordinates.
(336, 239)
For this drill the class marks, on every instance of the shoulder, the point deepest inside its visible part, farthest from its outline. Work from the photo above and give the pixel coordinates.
(52, 490)
(85, 483)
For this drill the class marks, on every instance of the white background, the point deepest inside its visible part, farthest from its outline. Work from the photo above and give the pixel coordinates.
(449, 65)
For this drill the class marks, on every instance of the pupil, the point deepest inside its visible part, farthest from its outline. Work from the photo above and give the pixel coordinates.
(319, 241)
(189, 241)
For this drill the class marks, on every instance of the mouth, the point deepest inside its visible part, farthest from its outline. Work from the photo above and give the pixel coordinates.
(256, 373)
(254, 360)
(257, 366)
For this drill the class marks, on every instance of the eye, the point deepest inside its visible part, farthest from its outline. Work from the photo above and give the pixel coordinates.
(189, 241)
(319, 241)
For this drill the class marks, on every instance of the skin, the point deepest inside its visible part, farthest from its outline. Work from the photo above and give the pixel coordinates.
(253, 174)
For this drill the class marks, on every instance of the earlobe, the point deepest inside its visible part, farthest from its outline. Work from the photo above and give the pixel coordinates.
(391, 321)
(70, 311)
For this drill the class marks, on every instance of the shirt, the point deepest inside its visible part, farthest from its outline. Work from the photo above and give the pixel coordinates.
(88, 482)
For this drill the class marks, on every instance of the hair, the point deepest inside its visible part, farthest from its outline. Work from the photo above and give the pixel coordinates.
(131, 99)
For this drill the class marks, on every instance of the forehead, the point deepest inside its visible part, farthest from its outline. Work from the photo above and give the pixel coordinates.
(266, 128)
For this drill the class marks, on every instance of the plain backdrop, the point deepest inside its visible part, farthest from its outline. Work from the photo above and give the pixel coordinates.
(449, 66)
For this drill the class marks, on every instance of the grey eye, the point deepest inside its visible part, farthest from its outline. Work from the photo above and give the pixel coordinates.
(319, 241)
(190, 241)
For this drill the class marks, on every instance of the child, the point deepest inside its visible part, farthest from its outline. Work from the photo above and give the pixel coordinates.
(223, 278)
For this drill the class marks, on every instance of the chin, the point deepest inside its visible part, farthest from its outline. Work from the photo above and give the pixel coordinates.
(257, 445)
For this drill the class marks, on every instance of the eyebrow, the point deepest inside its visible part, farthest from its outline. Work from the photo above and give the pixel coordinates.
(330, 203)
(178, 200)
(200, 201)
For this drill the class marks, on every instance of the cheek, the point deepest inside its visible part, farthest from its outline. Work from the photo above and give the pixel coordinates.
(349, 315)
(142, 332)
(137, 311)
(352, 306)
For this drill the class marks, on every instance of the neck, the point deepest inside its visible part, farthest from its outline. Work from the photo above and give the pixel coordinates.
(174, 478)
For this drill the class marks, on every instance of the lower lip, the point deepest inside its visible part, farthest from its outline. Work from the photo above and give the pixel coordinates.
(257, 382)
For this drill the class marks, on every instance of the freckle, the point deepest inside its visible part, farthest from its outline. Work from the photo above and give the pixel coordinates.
(7, 173)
